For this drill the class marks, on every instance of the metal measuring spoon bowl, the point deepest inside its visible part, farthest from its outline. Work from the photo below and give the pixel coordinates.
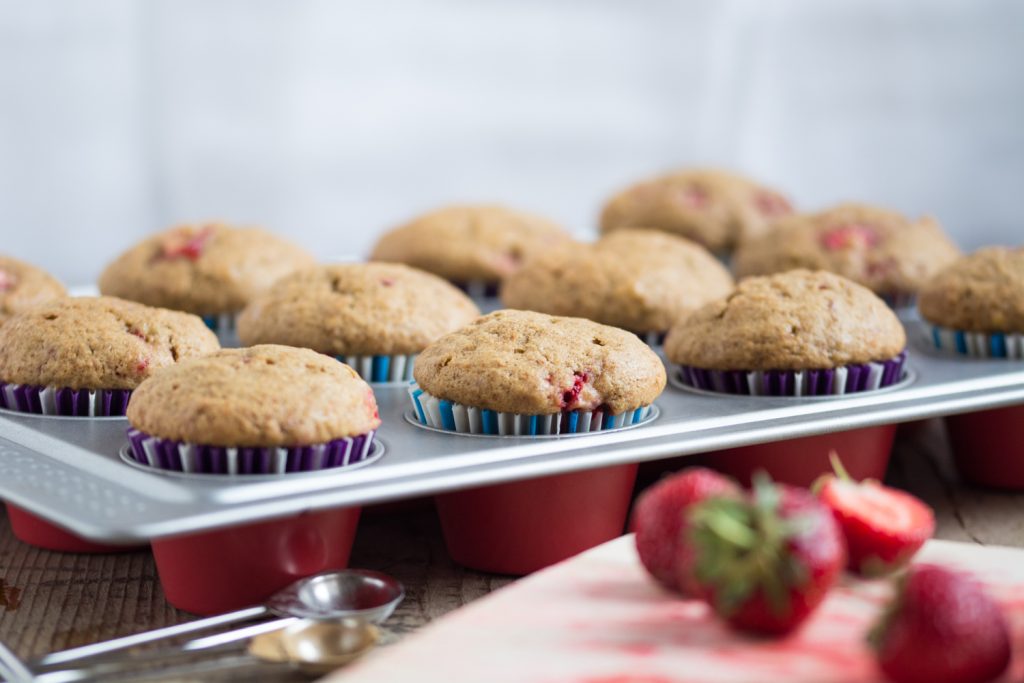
(351, 594)
(316, 647)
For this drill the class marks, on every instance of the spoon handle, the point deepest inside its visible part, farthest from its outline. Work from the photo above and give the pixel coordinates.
(11, 668)
(86, 651)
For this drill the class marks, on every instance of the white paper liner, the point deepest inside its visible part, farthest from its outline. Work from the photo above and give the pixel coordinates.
(377, 369)
(977, 344)
(455, 417)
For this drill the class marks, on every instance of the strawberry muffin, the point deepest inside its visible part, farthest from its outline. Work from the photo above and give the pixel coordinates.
(212, 270)
(264, 410)
(639, 280)
(280, 408)
(975, 305)
(85, 356)
(23, 286)
(886, 252)
(797, 333)
(714, 208)
(473, 246)
(526, 373)
(374, 316)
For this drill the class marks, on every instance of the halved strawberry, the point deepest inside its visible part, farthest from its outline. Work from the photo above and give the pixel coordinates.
(659, 517)
(765, 562)
(884, 527)
(941, 626)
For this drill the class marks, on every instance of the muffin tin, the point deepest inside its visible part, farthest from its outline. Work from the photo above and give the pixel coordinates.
(71, 470)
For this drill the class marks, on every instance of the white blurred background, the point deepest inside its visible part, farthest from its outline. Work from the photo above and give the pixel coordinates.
(331, 121)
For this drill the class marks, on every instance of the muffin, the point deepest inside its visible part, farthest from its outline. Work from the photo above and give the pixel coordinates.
(474, 247)
(796, 333)
(374, 316)
(975, 305)
(880, 249)
(639, 280)
(526, 373)
(714, 208)
(263, 409)
(85, 356)
(211, 269)
(23, 286)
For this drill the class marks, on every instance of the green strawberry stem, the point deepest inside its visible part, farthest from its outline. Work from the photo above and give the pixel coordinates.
(742, 548)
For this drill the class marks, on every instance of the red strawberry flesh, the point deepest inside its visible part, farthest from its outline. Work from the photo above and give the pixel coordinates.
(884, 527)
(942, 626)
(850, 236)
(7, 280)
(659, 518)
(187, 244)
(766, 563)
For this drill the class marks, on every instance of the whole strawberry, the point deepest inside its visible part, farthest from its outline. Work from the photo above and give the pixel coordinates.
(659, 516)
(942, 626)
(766, 561)
(883, 527)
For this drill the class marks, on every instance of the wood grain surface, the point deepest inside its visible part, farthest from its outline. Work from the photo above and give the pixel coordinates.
(50, 601)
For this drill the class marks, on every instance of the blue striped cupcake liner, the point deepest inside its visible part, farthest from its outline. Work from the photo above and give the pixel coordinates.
(454, 417)
(178, 456)
(977, 344)
(26, 398)
(224, 325)
(378, 369)
(847, 379)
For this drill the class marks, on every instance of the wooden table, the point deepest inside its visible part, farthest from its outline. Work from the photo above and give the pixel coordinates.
(51, 601)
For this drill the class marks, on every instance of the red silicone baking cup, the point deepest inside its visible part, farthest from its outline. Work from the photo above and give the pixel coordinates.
(228, 569)
(864, 453)
(520, 527)
(988, 446)
(36, 531)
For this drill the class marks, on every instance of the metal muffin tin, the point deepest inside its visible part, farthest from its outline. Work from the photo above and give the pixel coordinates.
(70, 470)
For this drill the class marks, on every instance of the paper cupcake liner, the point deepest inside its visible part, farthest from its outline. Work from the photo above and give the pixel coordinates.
(454, 417)
(382, 368)
(847, 379)
(479, 290)
(26, 398)
(652, 339)
(899, 299)
(223, 323)
(178, 456)
(977, 344)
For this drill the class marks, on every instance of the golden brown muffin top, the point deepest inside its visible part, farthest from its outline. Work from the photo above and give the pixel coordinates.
(469, 243)
(880, 249)
(206, 269)
(262, 396)
(535, 364)
(22, 286)
(798, 320)
(356, 309)
(714, 208)
(639, 280)
(982, 292)
(97, 343)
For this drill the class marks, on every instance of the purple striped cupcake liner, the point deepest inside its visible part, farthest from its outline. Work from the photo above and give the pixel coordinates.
(848, 379)
(178, 456)
(64, 402)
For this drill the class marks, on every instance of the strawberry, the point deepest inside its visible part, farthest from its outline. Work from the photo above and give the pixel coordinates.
(764, 562)
(659, 516)
(941, 626)
(883, 526)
